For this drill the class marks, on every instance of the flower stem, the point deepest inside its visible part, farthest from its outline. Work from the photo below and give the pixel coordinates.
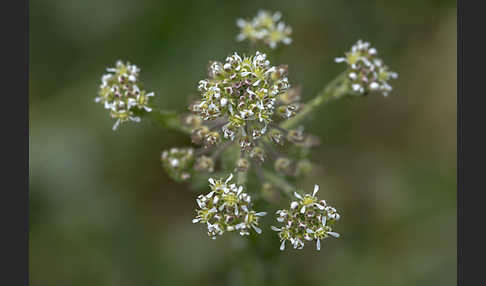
(281, 183)
(335, 89)
(165, 119)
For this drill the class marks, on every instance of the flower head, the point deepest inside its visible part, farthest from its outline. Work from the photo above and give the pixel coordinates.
(265, 28)
(366, 72)
(307, 219)
(244, 91)
(177, 162)
(121, 93)
(226, 208)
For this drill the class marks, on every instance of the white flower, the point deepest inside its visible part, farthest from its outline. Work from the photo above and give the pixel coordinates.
(227, 208)
(120, 93)
(366, 72)
(265, 28)
(308, 219)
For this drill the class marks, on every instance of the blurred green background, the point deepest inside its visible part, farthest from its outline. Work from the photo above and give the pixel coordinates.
(103, 212)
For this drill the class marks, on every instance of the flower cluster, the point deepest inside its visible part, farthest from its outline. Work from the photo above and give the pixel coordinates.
(121, 93)
(366, 72)
(243, 89)
(243, 101)
(265, 28)
(307, 219)
(177, 162)
(226, 208)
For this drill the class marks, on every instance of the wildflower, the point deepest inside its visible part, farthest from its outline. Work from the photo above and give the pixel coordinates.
(177, 162)
(242, 102)
(204, 164)
(265, 28)
(366, 72)
(226, 208)
(122, 93)
(244, 91)
(307, 219)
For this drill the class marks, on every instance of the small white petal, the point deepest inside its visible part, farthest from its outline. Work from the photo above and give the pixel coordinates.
(316, 189)
(293, 205)
(229, 178)
(257, 229)
(333, 234)
(115, 126)
(297, 196)
(318, 245)
(275, 228)
(282, 246)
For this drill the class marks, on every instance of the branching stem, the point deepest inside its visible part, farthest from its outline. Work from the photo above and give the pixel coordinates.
(333, 90)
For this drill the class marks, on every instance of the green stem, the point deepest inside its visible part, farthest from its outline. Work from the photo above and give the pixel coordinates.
(241, 178)
(165, 119)
(281, 183)
(335, 89)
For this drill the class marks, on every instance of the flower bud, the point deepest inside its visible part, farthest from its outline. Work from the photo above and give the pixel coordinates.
(304, 167)
(212, 138)
(242, 165)
(296, 136)
(284, 165)
(204, 164)
(291, 95)
(258, 154)
(198, 134)
(191, 120)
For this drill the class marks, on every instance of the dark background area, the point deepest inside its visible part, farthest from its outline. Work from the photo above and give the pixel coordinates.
(103, 212)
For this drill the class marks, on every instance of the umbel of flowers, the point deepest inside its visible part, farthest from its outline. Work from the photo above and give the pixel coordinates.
(227, 209)
(307, 219)
(265, 28)
(365, 71)
(248, 114)
(242, 102)
(122, 93)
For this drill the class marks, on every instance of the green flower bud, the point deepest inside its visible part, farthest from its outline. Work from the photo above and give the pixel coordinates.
(212, 138)
(198, 134)
(242, 165)
(284, 165)
(204, 164)
(258, 154)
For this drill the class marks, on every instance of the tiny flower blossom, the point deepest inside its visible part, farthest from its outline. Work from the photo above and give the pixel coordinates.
(226, 209)
(177, 162)
(244, 90)
(242, 102)
(265, 28)
(121, 93)
(366, 72)
(307, 219)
